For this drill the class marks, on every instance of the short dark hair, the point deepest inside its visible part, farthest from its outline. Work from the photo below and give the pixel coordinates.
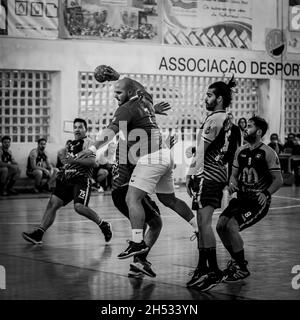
(6, 138)
(260, 123)
(41, 139)
(81, 121)
(274, 135)
(224, 90)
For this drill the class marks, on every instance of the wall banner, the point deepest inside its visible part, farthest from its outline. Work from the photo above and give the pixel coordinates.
(220, 23)
(116, 19)
(3, 17)
(205, 65)
(33, 19)
(294, 26)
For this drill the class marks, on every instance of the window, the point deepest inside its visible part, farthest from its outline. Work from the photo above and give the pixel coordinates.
(185, 94)
(25, 104)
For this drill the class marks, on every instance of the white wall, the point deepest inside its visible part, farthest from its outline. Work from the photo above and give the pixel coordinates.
(68, 57)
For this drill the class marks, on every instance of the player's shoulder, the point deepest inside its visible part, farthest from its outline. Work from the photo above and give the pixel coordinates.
(33, 152)
(217, 117)
(268, 150)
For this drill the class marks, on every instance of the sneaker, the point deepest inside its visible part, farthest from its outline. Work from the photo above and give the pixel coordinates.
(210, 281)
(106, 230)
(34, 237)
(134, 249)
(230, 268)
(237, 273)
(132, 273)
(197, 277)
(143, 266)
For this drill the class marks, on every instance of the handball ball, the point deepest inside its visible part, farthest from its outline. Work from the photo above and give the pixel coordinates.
(104, 73)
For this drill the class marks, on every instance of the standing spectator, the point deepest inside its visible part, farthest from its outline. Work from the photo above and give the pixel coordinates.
(242, 124)
(290, 143)
(61, 154)
(39, 167)
(295, 162)
(233, 135)
(275, 144)
(9, 169)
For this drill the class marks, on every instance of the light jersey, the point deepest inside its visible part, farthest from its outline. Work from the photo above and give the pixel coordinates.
(77, 171)
(216, 131)
(255, 167)
(136, 120)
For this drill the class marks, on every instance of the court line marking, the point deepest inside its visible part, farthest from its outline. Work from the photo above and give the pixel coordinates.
(284, 197)
(121, 219)
(122, 275)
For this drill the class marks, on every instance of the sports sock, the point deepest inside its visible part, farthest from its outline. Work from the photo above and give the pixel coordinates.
(229, 249)
(212, 259)
(137, 235)
(239, 257)
(202, 262)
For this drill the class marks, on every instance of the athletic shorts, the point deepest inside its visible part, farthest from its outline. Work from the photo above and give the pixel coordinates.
(246, 212)
(119, 199)
(153, 173)
(211, 193)
(78, 190)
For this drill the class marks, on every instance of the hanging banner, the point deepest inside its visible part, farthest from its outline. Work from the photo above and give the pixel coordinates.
(116, 19)
(294, 26)
(33, 19)
(220, 23)
(3, 17)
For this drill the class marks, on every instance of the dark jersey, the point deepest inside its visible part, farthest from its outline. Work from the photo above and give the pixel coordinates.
(254, 168)
(74, 170)
(6, 155)
(41, 159)
(136, 120)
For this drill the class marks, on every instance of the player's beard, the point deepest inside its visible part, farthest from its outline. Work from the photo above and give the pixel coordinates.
(251, 138)
(211, 106)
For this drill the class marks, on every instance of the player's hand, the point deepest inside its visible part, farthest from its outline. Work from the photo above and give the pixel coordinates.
(262, 198)
(232, 188)
(162, 108)
(188, 185)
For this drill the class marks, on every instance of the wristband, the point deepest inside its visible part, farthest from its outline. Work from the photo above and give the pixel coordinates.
(267, 194)
(93, 148)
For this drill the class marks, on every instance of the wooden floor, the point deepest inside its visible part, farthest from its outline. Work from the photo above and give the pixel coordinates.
(75, 263)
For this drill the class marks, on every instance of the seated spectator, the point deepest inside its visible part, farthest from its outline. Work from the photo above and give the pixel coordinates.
(275, 143)
(39, 167)
(290, 143)
(9, 169)
(295, 162)
(103, 171)
(242, 124)
(61, 154)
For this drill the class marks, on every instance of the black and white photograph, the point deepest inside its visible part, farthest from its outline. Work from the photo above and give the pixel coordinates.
(149, 157)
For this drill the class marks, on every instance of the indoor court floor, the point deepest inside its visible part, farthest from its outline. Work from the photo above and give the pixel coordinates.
(74, 262)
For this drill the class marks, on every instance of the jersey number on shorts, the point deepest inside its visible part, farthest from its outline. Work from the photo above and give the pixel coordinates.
(82, 194)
